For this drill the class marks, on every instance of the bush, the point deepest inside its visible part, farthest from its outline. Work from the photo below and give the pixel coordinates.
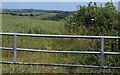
(97, 21)
(31, 14)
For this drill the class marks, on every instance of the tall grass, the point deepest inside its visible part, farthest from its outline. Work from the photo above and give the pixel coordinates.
(22, 24)
(33, 25)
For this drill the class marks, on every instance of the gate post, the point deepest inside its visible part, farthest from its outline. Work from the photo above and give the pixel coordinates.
(14, 60)
(102, 52)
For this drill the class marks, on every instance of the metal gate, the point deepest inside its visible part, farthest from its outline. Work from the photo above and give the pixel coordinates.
(102, 52)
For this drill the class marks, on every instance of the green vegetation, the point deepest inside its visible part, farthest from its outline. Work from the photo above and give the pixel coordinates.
(57, 17)
(90, 20)
(97, 20)
(94, 20)
(23, 24)
(42, 14)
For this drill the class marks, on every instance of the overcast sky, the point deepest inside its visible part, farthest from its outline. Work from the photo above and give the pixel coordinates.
(65, 6)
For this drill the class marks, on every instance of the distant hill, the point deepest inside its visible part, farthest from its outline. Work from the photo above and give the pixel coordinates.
(34, 10)
(55, 15)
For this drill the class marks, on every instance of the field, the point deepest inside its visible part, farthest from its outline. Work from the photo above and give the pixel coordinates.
(28, 24)
(23, 24)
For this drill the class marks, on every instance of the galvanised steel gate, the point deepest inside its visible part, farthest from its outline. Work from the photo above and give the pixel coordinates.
(56, 51)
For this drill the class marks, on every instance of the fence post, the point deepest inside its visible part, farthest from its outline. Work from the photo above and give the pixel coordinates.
(14, 60)
(102, 52)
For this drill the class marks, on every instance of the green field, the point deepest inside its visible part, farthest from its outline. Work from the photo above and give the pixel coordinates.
(34, 25)
(23, 24)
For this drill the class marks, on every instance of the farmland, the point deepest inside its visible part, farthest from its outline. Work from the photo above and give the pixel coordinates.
(27, 24)
(24, 24)
(41, 25)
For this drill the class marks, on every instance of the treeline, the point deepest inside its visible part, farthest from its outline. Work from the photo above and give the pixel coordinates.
(19, 12)
(23, 13)
(58, 16)
(33, 10)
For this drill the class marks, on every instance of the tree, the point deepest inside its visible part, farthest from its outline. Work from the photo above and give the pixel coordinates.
(31, 14)
(97, 19)
(118, 28)
(20, 15)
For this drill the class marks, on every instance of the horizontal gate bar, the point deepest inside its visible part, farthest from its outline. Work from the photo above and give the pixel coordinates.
(55, 51)
(62, 65)
(62, 36)
(61, 51)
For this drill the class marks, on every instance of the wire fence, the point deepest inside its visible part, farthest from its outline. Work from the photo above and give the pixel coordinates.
(102, 52)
